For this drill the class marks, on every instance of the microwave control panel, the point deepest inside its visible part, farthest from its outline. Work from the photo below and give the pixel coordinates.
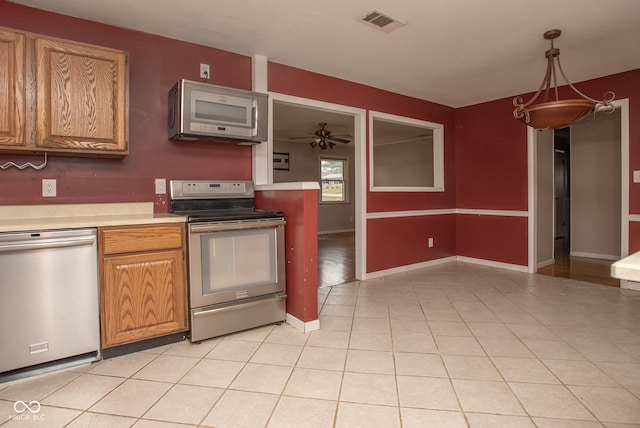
(207, 128)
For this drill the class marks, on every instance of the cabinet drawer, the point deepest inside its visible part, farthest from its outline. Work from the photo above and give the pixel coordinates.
(130, 239)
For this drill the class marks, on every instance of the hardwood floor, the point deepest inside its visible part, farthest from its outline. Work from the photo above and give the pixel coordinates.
(336, 263)
(336, 258)
(580, 268)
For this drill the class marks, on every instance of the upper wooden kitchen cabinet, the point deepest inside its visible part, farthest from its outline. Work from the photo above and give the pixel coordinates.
(12, 89)
(142, 282)
(75, 96)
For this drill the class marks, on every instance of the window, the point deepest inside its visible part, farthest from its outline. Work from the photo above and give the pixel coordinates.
(406, 154)
(333, 173)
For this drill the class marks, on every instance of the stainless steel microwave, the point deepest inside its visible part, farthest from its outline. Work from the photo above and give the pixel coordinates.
(203, 111)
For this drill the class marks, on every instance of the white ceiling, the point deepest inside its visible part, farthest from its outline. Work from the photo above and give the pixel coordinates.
(453, 52)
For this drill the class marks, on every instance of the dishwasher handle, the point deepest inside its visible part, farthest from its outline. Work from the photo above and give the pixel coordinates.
(46, 243)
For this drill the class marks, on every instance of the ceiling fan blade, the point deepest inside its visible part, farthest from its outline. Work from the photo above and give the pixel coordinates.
(340, 140)
(300, 138)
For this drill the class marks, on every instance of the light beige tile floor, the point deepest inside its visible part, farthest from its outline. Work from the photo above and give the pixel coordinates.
(454, 345)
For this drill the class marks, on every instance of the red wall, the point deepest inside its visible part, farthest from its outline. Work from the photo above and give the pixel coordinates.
(491, 158)
(399, 241)
(305, 84)
(485, 148)
(394, 242)
(491, 174)
(156, 63)
(491, 171)
(300, 208)
(496, 238)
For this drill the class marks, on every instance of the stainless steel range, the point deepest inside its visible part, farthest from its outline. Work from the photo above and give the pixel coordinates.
(236, 257)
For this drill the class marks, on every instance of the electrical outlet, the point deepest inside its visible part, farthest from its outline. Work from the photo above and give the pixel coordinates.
(636, 176)
(430, 242)
(49, 188)
(205, 72)
(161, 186)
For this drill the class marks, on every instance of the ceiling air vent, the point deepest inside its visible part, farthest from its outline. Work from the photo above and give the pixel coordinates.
(382, 21)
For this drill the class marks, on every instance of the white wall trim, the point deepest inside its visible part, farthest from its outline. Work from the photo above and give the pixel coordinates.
(409, 213)
(532, 199)
(435, 262)
(329, 232)
(594, 255)
(438, 153)
(304, 327)
(298, 185)
(501, 213)
(491, 263)
(360, 156)
(259, 75)
(446, 211)
(623, 104)
(624, 170)
(262, 154)
(630, 285)
(546, 263)
(407, 268)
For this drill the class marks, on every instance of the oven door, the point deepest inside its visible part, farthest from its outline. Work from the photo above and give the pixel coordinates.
(234, 260)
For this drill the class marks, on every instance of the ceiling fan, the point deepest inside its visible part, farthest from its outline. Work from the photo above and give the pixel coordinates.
(324, 139)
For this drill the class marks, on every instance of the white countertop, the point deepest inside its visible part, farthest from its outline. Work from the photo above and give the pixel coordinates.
(627, 268)
(18, 218)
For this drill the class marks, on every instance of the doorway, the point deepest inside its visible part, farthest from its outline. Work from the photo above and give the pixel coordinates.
(587, 208)
(562, 186)
(340, 222)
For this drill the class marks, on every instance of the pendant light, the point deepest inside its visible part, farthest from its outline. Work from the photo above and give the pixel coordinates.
(553, 114)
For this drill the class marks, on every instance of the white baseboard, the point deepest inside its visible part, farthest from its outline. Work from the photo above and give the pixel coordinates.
(406, 268)
(594, 255)
(546, 263)
(328, 232)
(304, 327)
(491, 263)
(629, 285)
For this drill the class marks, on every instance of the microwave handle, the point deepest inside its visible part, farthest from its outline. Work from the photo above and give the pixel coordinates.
(254, 113)
(172, 117)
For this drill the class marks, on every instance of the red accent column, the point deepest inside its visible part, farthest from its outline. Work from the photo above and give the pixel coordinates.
(300, 209)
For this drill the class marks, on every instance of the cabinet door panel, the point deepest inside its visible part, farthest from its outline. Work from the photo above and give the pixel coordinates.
(81, 98)
(143, 296)
(12, 88)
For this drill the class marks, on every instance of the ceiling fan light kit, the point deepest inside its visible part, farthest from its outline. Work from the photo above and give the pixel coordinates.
(554, 114)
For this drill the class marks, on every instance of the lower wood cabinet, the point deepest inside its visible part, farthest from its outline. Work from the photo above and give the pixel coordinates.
(143, 282)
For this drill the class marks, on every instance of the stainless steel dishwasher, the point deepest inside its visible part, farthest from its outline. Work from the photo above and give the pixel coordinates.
(48, 300)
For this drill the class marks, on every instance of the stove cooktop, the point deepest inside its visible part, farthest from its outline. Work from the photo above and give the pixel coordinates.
(216, 200)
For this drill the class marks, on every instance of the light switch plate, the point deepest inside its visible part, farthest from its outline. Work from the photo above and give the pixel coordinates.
(636, 176)
(161, 186)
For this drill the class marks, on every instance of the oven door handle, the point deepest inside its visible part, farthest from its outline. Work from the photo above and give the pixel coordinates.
(233, 307)
(235, 225)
